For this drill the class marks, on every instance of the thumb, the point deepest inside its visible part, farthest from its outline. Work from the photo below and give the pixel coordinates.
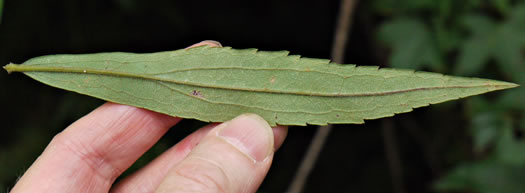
(234, 157)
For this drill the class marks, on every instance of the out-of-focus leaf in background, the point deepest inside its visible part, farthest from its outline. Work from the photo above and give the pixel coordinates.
(486, 123)
(412, 44)
(513, 99)
(485, 129)
(503, 42)
(488, 176)
(510, 150)
(469, 38)
(502, 6)
(503, 172)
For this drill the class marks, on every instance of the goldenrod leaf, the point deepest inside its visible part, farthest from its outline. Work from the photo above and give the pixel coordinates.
(217, 84)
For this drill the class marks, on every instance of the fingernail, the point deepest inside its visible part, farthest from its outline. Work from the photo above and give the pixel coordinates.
(250, 134)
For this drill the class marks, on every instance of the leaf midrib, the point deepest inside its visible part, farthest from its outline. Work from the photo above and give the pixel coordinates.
(35, 68)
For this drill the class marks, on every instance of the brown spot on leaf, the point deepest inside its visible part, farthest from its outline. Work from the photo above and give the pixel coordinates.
(197, 93)
(272, 80)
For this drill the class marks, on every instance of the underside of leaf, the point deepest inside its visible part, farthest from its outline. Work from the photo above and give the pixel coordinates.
(217, 84)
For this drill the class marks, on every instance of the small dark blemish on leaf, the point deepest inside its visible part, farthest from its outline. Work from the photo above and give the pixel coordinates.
(336, 115)
(196, 93)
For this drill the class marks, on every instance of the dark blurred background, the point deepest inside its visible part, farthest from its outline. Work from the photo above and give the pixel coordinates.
(470, 145)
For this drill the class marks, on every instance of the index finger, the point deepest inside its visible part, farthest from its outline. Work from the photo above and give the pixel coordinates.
(92, 152)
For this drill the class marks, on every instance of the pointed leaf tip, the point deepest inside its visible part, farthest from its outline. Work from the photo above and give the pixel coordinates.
(507, 85)
(501, 85)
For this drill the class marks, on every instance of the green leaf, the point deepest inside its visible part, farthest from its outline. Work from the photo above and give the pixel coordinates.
(509, 149)
(503, 42)
(476, 51)
(217, 84)
(485, 129)
(501, 5)
(489, 120)
(412, 44)
(512, 100)
(503, 172)
(487, 176)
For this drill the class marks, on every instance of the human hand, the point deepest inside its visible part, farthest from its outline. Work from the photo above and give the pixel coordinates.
(92, 152)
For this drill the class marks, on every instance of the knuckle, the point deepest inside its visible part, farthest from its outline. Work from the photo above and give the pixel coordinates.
(89, 157)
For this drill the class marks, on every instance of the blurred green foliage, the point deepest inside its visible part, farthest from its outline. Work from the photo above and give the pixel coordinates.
(471, 145)
(475, 38)
(1, 8)
(413, 44)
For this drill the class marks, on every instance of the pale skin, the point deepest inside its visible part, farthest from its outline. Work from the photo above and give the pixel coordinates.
(92, 152)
